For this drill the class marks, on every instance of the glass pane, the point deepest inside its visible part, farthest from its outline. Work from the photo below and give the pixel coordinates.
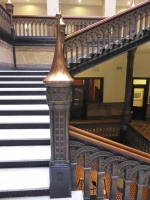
(138, 97)
(78, 97)
(139, 82)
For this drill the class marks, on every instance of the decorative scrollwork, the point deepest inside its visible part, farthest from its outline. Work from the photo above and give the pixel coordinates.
(59, 94)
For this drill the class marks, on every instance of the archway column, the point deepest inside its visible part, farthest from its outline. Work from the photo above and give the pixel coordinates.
(126, 112)
(52, 7)
(108, 7)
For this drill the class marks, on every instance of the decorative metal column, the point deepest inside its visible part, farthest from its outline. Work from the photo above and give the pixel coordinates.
(126, 113)
(59, 97)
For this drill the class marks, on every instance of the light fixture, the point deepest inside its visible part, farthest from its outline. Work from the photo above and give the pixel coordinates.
(129, 2)
(79, 1)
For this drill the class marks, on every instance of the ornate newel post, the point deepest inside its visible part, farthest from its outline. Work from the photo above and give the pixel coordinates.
(59, 97)
(126, 113)
(9, 8)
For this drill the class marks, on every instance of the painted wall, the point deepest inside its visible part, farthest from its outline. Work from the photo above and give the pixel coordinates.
(30, 9)
(81, 10)
(67, 9)
(114, 78)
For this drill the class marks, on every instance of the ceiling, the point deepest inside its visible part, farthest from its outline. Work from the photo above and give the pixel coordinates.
(122, 3)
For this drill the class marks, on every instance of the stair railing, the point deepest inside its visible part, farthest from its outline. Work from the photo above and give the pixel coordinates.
(45, 26)
(108, 34)
(137, 138)
(109, 159)
(5, 20)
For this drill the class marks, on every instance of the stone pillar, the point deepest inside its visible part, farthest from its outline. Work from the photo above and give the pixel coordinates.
(59, 97)
(10, 10)
(108, 7)
(126, 113)
(52, 7)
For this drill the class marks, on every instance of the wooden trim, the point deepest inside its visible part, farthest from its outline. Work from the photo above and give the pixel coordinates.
(129, 152)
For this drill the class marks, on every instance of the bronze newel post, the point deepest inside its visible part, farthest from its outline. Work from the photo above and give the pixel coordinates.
(59, 97)
(10, 9)
(126, 113)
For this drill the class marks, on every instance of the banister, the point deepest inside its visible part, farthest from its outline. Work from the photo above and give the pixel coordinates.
(108, 19)
(140, 132)
(109, 145)
(4, 10)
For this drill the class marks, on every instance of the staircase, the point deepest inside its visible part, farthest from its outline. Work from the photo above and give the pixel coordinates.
(107, 38)
(24, 135)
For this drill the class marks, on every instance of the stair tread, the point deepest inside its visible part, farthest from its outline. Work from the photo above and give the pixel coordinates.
(24, 107)
(23, 97)
(24, 119)
(24, 178)
(23, 134)
(25, 153)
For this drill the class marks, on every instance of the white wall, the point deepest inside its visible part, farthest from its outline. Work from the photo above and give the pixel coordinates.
(81, 10)
(114, 79)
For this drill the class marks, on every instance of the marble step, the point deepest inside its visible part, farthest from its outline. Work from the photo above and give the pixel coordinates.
(24, 119)
(17, 179)
(24, 153)
(23, 134)
(76, 195)
(22, 101)
(22, 93)
(24, 107)
(23, 97)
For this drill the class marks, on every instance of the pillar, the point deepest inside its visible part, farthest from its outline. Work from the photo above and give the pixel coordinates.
(108, 7)
(10, 10)
(59, 96)
(52, 7)
(126, 112)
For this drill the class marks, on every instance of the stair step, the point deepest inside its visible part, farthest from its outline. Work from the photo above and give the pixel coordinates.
(20, 101)
(25, 112)
(25, 126)
(23, 134)
(24, 178)
(24, 119)
(24, 107)
(76, 195)
(7, 93)
(17, 97)
(24, 153)
(22, 85)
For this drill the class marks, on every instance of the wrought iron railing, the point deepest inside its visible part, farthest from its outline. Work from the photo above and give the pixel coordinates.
(117, 164)
(107, 35)
(104, 128)
(5, 20)
(137, 138)
(46, 25)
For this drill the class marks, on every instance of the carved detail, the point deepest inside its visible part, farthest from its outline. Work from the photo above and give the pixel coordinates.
(59, 94)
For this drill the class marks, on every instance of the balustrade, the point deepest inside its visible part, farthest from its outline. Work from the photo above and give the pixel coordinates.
(137, 139)
(105, 128)
(5, 20)
(112, 163)
(108, 34)
(46, 25)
